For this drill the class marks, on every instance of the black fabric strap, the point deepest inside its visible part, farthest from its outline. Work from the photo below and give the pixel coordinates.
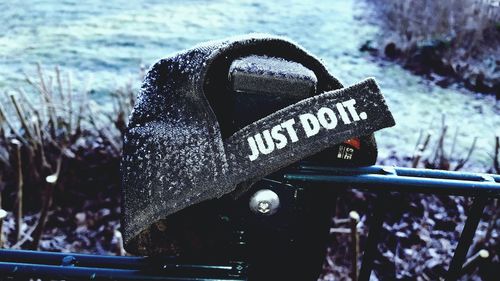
(305, 128)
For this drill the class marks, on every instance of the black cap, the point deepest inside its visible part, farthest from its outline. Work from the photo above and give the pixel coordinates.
(176, 153)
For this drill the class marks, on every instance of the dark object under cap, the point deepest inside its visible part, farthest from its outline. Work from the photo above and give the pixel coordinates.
(180, 150)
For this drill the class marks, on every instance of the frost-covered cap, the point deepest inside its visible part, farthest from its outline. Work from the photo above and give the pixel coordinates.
(176, 155)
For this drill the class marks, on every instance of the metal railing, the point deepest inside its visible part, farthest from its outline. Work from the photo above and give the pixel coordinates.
(68, 266)
(385, 178)
(382, 179)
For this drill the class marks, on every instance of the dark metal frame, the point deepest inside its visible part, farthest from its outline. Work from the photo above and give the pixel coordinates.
(69, 266)
(383, 179)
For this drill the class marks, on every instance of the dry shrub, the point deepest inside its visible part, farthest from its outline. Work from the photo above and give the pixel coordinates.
(441, 156)
(467, 23)
(66, 144)
(458, 39)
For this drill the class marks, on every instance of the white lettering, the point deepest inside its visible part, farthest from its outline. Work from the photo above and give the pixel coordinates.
(310, 124)
(278, 136)
(269, 147)
(288, 125)
(350, 106)
(253, 148)
(343, 114)
(325, 112)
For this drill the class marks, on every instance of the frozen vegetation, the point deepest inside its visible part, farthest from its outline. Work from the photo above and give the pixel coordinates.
(64, 127)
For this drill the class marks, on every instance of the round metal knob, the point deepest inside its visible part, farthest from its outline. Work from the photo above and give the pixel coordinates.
(264, 202)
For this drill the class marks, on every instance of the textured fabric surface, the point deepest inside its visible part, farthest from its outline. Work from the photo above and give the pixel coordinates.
(305, 128)
(177, 155)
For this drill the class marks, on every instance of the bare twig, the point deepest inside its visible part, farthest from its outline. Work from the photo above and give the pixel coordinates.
(340, 230)
(463, 161)
(16, 145)
(420, 149)
(496, 158)
(3, 214)
(473, 262)
(341, 221)
(120, 251)
(354, 220)
(47, 98)
(26, 237)
(441, 155)
(51, 182)
(27, 101)
(10, 125)
(455, 136)
(492, 222)
(59, 84)
(40, 75)
(79, 117)
(103, 132)
(22, 117)
(420, 135)
(70, 105)
(43, 159)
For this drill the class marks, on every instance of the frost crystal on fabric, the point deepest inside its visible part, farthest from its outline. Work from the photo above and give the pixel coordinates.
(176, 154)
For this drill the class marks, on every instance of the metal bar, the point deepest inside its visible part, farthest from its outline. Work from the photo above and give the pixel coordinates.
(53, 272)
(400, 171)
(44, 262)
(87, 260)
(402, 183)
(376, 224)
(466, 238)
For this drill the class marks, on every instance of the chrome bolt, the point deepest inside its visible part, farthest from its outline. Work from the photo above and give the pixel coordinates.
(263, 207)
(264, 202)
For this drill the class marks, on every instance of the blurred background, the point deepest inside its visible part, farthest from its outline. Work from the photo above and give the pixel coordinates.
(70, 70)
